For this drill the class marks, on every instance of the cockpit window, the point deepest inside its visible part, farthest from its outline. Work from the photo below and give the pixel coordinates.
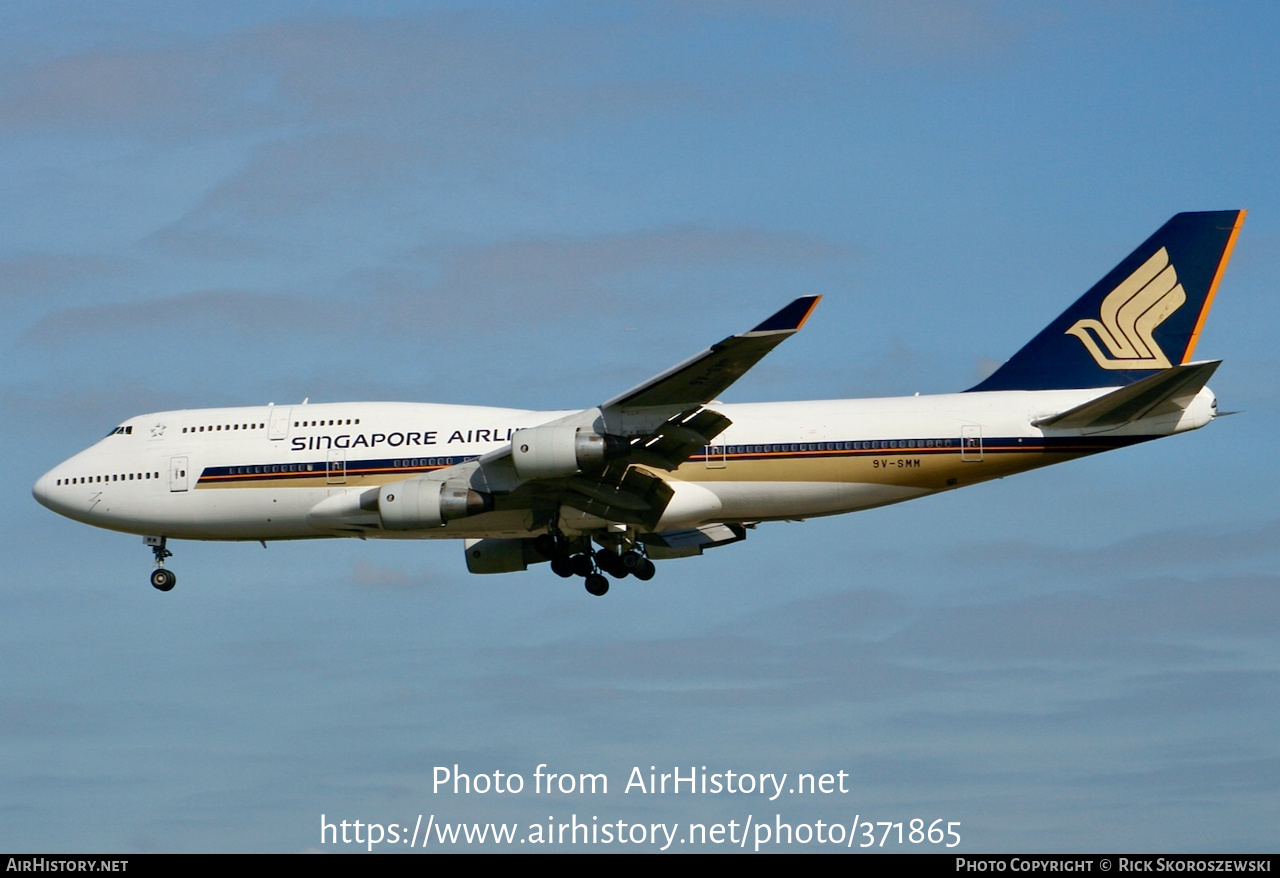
(121, 431)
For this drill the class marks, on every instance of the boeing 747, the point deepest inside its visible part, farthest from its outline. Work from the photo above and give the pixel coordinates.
(663, 470)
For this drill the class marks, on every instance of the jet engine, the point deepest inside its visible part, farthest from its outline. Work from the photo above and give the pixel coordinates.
(418, 504)
(554, 452)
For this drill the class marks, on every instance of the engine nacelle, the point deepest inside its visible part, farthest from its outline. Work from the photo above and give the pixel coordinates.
(494, 555)
(552, 452)
(420, 504)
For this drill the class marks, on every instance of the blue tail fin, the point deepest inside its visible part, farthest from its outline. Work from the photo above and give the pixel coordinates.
(1144, 316)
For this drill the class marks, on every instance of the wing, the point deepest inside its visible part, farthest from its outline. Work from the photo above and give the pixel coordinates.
(600, 461)
(656, 425)
(702, 378)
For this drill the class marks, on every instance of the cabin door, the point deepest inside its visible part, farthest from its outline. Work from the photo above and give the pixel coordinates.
(177, 474)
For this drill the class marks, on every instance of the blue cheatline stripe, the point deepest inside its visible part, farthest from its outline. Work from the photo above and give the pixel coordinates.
(882, 447)
(852, 449)
(312, 469)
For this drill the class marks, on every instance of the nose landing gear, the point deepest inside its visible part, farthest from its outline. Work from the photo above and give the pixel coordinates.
(162, 579)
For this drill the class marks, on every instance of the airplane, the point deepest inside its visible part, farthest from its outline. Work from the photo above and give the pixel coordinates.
(664, 470)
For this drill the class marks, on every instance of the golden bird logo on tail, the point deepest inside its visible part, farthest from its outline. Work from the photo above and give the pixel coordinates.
(1130, 314)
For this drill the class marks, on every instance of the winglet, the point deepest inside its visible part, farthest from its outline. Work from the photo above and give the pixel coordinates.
(790, 318)
(702, 378)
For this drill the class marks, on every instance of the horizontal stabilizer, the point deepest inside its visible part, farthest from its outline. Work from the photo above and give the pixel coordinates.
(1175, 387)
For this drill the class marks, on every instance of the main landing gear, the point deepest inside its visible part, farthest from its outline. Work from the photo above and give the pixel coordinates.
(574, 557)
(161, 578)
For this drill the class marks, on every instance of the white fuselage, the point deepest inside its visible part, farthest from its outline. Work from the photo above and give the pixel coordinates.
(257, 473)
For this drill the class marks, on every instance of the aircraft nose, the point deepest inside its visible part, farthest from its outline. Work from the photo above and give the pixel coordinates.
(41, 490)
(49, 496)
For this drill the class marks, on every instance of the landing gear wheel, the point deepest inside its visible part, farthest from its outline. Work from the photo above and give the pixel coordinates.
(597, 584)
(645, 571)
(162, 579)
(583, 565)
(562, 566)
(610, 563)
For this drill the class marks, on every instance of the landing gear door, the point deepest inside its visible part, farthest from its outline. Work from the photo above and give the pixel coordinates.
(177, 474)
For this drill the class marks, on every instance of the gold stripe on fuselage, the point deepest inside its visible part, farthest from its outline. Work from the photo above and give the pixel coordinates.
(925, 468)
(929, 469)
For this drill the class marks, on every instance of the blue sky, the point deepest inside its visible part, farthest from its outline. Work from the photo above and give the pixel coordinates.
(538, 205)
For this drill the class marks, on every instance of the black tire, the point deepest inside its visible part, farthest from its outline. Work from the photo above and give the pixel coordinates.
(583, 565)
(163, 579)
(597, 585)
(609, 563)
(631, 560)
(645, 571)
(562, 566)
